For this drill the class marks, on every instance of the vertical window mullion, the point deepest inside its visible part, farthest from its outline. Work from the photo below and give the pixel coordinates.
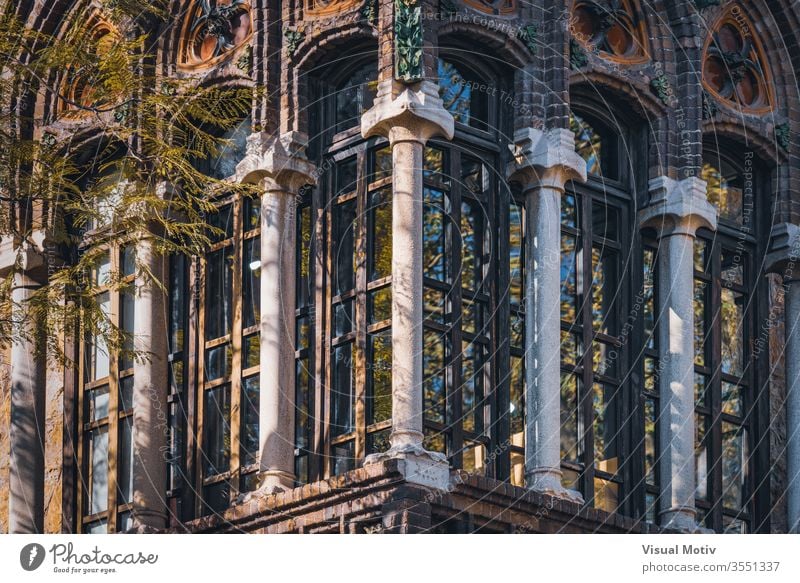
(236, 347)
(360, 307)
(585, 404)
(113, 406)
(455, 403)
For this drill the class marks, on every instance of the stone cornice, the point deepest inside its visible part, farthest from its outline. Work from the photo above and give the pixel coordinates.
(545, 158)
(416, 113)
(678, 207)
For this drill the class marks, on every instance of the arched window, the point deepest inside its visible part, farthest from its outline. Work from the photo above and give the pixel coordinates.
(601, 259)
(726, 368)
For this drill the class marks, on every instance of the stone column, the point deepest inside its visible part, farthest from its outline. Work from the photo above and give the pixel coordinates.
(27, 377)
(784, 258)
(150, 389)
(544, 162)
(281, 168)
(676, 210)
(408, 116)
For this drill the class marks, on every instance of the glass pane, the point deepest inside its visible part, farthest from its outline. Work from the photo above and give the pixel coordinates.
(570, 479)
(346, 174)
(222, 223)
(651, 508)
(355, 96)
(177, 421)
(473, 233)
(434, 376)
(218, 362)
(344, 223)
(378, 442)
(380, 305)
(724, 191)
(102, 272)
(382, 163)
(648, 298)
(701, 456)
(473, 457)
(379, 370)
(216, 498)
(125, 467)
(433, 163)
(604, 289)
(733, 525)
(515, 254)
(342, 392)
(97, 402)
(343, 318)
(176, 369)
(217, 430)
(588, 143)
(305, 286)
(251, 214)
(380, 259)
(732, 267)
(568, 279)
(301, 469)
(606, 495)
(517, 396)
(570, 348)
(219, 300)
(99, 527)
(471, 386)
(569, 417)
(249, 432)
(178, 291)
(303, 332)
(732, 399)
(650, 460)
(433, 226)
(474, 178)
(455, 92)
(732, 323)
(700, 297)
(605, 221)
(433, 440)
(98, 363)
(251, 351)
(700, 258)
(343, 457)
(126, 393)
(127, 318)
(605, 359)
(517, 329)
(434, 305)
(606, 427)
(569, 210)
(471, 316)
(650, 374)
(127, 260)
(251, 277)
(98, 462)
(303, 392)
(734, 462)
(700, 390)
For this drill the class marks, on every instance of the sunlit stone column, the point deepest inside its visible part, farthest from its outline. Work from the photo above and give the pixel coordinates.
(676, 210)
(150, 388)
(544, 162)
(27, 378)
(408, 116)
(280, 167)
(784, 259)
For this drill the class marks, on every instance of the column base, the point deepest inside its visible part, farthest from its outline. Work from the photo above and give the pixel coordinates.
(272, 482)
(548, 481)
(418, 465)
(683, 519)
(148, 521)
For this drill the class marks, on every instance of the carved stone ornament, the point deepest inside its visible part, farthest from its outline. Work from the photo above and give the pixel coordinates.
(407, 40)
(213, 30)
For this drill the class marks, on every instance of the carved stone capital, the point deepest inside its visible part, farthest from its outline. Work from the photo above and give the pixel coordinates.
(25, 256)
(279, 162)
(545, 158)
(415, 113)
(783, 256)
(678, 207)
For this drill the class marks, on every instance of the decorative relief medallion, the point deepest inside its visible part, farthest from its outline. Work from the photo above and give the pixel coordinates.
(611, 28)
(213, 29)
(494, 7)
(735, 70)
(328, 7)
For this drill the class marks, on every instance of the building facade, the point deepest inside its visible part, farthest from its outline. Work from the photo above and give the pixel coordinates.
(515, 267)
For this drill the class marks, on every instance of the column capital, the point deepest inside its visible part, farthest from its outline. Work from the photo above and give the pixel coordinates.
(546, 158)
(407, 113)
(25, 256)
(278, 161)
(783, 256)
(678, 207)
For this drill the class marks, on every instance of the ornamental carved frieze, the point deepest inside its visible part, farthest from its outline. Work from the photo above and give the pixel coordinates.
(612, 29)
(79, 92)
(213, 30)
(495, 7)
(328, 7)
(735, 69)
(407, 40)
